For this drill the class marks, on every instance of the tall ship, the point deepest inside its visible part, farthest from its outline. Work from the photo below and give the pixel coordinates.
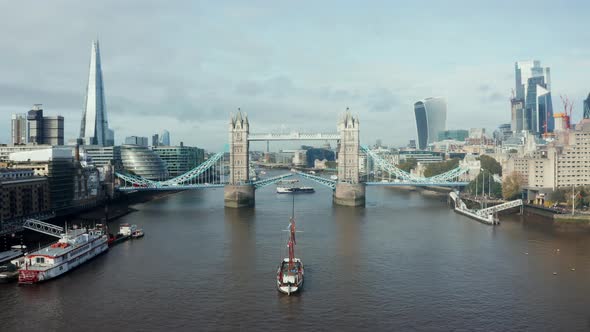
(74, 248)
(290, 271)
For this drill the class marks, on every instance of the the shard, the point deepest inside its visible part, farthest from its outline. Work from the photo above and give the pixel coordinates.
(94, 129)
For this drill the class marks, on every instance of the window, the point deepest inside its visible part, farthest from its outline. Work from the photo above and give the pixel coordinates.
(40, 260)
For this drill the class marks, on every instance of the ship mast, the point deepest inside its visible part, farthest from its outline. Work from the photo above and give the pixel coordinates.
(292, 242)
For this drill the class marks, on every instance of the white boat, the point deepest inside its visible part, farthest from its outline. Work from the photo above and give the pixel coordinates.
(137, 234)
(74, 248)
(294, 190)
(127, 229)
(334, 177)
(10, 262)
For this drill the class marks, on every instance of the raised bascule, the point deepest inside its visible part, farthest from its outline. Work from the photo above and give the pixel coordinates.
(240, 184)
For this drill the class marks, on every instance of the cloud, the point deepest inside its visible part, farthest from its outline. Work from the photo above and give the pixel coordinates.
(185, 67)
(382, 100)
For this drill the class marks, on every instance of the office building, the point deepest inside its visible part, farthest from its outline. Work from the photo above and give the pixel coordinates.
(35, 125)
(558, 165)
(431, 118)
(423, 157)
(518, 118)
(180, 159)
(503, 132)
(53, 130)
(44, 129)
(532, 107)
(6, 150)
(457, 135)
(18, 129)
(165, 138)
(136, 140)
(94, 129)
(57, 164)
(101, 156)
(155, 140)
(587, 107)
(22, 196)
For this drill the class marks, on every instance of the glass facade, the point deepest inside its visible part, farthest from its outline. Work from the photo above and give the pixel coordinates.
(421, 125)
(144, 162)
(457, 135)
(431, 119)
(101, 156)
(94, 128)
(180, 159)
(165, 138)
(533, 86)
(587, 107)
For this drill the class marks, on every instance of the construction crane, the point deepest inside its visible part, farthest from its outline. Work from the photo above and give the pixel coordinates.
(567, 110)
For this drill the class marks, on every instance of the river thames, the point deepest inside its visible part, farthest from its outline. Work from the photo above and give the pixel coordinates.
(406, 262)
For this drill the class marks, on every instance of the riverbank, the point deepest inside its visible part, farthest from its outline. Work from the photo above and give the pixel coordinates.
(120, 207)
(114, 209)
(561, 222)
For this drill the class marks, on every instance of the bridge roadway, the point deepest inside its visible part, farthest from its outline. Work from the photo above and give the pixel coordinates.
(294, 136)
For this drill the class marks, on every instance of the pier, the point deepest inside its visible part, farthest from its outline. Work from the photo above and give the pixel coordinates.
(486, 216)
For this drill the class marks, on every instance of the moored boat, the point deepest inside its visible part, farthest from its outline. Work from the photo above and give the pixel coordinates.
(290, 271)
(10, 261)
(124, 234)
(74, 248)
(137, 234)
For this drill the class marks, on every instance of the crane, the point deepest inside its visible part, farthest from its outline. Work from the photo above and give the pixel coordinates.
(567, 109)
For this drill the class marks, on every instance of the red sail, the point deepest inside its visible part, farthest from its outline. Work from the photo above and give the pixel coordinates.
(293, 230)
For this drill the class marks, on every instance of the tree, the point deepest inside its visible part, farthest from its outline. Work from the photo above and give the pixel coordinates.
(558, 195)
(490, 164)
(439, 168)
(408, 164)
(483, 182)
(512, 186)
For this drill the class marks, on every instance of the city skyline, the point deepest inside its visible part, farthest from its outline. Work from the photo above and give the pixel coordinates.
(274, 76)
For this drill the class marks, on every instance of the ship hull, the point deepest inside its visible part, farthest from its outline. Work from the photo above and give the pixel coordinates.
(295, 190)
(91, 250)
(289, 289)
(290, 283)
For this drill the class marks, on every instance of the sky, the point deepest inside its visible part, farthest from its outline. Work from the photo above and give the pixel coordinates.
(185, 66)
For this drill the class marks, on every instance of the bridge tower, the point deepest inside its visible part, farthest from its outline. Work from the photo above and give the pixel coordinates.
(349, 190)
(239, 192)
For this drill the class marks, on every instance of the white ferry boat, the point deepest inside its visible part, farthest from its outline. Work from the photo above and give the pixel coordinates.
(294, 190)
(73, 248)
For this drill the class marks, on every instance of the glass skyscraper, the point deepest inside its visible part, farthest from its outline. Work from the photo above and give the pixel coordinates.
(165, 138)
(587, 107)
(94, 129)
(532, 107)
(431, 119)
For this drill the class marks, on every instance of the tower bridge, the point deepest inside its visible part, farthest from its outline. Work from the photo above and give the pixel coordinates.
(239, 183)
